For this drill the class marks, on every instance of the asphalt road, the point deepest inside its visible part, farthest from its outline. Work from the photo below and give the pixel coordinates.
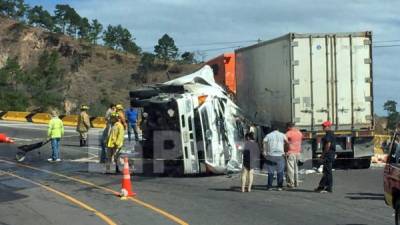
(72, 192)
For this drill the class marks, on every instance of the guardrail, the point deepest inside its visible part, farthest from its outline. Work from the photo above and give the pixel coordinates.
(44, 118)
(16, 116)
(98, 122)
(70, 120)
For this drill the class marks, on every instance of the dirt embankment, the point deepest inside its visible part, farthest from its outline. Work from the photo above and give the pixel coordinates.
(93, 74)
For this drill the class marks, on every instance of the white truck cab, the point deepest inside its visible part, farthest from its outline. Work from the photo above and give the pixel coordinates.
(190, 125)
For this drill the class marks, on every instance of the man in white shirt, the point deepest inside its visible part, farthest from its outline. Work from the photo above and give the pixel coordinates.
(274, 152)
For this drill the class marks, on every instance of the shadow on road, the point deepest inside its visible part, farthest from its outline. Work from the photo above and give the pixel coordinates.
(365, 196)
(353, 224)
(300, 190)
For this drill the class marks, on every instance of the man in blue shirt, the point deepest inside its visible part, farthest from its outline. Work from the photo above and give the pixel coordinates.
(132, 117)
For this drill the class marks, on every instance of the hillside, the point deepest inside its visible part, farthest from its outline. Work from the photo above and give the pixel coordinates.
(92, 74)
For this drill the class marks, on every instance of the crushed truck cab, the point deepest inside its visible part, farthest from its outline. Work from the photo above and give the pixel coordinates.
(189, 125)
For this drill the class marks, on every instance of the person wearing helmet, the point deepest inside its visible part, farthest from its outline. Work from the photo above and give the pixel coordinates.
(115, 141)
(121, 114)
(83, 125)
(328, 156)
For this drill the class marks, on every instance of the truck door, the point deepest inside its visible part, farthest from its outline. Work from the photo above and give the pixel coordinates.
(332, 81)
(189, 148)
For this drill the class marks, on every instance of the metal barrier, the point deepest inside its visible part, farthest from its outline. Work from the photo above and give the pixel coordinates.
(42, 118)
(70, 120)
(15, 116)
(98, 122)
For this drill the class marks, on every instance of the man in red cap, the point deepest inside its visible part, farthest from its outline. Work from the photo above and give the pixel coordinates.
(328, 156)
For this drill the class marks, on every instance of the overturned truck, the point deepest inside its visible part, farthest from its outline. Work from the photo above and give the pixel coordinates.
(190, 125)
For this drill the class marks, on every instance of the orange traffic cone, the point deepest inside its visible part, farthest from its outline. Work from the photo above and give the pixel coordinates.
(5, 139)
(126, 190)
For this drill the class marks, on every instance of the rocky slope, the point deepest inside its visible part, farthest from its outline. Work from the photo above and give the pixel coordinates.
(93, 75)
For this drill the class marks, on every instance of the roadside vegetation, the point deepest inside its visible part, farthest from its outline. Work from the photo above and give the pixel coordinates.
(44, 84)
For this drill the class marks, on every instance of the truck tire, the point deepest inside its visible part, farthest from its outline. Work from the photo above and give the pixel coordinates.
(397, 212)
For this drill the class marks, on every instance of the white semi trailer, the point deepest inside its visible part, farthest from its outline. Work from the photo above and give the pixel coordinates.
(310, 78)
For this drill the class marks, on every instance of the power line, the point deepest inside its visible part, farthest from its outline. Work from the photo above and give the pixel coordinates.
(212, 43)
(217, 49)
(386, 41)
(218, 43)
(385, 46)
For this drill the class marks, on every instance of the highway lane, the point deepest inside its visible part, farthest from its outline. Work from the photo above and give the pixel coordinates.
(357, 197)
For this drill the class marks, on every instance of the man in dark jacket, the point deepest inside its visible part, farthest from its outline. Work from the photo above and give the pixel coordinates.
(328, 156)
(251, 160)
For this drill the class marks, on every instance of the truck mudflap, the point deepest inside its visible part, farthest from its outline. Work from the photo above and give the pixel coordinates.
(363, 147)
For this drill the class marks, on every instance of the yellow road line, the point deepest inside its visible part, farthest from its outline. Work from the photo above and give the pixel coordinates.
(136, 200)
(67, 197)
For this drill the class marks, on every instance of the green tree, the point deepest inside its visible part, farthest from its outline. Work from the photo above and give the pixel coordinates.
(40, 17)
(188, 57)
(110, 37)
(84, 29)
(126, 41)
(166, 49)
(12, 94)
(11, 75)
(47, 81)
(13, 8)
(393, 117)
(146, 62)
(120, 38)
(95, 30)
(67, 19)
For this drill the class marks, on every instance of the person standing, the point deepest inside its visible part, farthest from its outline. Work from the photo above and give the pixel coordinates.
(250, 161)
(293, 151)
(106, 133)
(83, 126)
(120, 111)
(274, 152)
(132, 115)
(328, 157)
(115, 141)
(55, 132)
(110, 110)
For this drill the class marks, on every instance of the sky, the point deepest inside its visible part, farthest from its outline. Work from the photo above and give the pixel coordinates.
(211, 27)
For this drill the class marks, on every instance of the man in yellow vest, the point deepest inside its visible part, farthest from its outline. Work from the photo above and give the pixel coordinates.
(115, 141)
(83, 126)
(55, 132)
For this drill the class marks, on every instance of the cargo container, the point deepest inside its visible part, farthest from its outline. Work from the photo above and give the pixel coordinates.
(310, 78)
(224, 71)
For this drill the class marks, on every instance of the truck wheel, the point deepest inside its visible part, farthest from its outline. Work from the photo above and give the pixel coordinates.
(397, 212)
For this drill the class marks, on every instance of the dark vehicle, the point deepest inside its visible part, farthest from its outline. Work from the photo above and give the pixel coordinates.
(391, 178)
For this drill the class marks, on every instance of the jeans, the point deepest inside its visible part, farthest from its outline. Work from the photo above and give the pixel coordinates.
(55, 147)
(326, 182)
(275, 163)
(132, 126)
